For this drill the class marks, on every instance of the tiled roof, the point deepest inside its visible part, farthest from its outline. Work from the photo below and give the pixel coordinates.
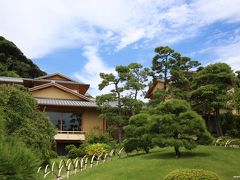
(65, 102)
(11, 79)
(69, 102)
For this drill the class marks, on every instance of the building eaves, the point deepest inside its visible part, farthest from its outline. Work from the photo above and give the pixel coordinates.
(11, 79)
(65, 102)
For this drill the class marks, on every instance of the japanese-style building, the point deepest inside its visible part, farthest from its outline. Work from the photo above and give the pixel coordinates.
(66, 102)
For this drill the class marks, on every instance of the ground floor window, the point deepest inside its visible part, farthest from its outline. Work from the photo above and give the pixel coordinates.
(66, 121)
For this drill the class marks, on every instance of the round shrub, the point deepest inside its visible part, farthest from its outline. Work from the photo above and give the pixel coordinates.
(194, 174)
(97, 149)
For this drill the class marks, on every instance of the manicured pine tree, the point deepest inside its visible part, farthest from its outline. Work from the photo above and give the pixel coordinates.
(174, 124)
(137, 136)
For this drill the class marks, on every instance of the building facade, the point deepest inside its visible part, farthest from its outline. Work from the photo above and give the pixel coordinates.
(71, 109)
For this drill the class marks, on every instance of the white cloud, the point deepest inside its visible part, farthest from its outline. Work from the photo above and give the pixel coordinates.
(217, 10)
(90, 72)
(229, 53)
(40, 27)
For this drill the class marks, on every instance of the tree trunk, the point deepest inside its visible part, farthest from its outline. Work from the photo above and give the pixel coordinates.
(177, 152)
(146, 149)
(207, 121)
(165, 75)
(218, 123)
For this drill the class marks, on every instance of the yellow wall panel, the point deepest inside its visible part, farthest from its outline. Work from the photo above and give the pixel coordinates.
(91, 121)
(53, 92)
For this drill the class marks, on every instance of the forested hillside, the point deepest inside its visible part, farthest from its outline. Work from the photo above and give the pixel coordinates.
(14, 63)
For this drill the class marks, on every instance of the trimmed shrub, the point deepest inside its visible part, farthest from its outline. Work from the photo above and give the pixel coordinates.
(97, 149)
(137, 137)
(17, 161)
(103, 138)
(130, 145)
(73, 151)
(194, 174)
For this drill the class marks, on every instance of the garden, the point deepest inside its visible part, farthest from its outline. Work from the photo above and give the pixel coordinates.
(189, 128)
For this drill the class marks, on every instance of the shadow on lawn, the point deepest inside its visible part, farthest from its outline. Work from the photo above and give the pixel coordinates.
(171, 155)
(141, 153)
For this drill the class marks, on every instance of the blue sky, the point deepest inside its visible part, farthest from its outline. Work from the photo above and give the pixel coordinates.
(81, 39)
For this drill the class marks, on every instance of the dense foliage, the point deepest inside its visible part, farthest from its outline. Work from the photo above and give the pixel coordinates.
(17, 161)
(14, 63)
(100, 137)
(167, 120)
(174, 124)
(86, 146)
(231, 124)
(73, 151)
(196, 174)
(97, 149)
(137, 137)
(21, 118)
(211, 91)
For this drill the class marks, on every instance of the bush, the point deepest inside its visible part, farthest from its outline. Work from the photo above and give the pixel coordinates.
(21, 118)
(53, 155)
(97, 149)
(102, 138)
(194, 174)
(17, 161)
(231, 124)
(130, 145)
(73, 151)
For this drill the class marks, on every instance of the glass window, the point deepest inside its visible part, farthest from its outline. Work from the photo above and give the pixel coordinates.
(66, 121)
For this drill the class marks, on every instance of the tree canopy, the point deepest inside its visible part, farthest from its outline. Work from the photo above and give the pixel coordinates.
(211, 90)
(20, 118)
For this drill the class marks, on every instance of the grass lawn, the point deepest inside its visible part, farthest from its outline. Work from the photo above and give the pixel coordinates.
(156, 165)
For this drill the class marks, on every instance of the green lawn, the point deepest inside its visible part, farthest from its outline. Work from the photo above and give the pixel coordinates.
(224, 161)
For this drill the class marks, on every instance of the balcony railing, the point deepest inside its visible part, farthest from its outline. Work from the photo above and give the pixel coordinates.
(71, 132)
(70, 135)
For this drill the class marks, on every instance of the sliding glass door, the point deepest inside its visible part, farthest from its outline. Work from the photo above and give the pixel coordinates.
(66, 121)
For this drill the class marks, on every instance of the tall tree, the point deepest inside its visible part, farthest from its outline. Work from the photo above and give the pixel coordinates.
(137, 78)
(162, 63)
(113, 112)
(127, 84)
(135, 85)
(211, 87)
(181, 77)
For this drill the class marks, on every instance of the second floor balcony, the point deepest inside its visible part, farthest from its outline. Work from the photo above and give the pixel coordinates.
(70, 136)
